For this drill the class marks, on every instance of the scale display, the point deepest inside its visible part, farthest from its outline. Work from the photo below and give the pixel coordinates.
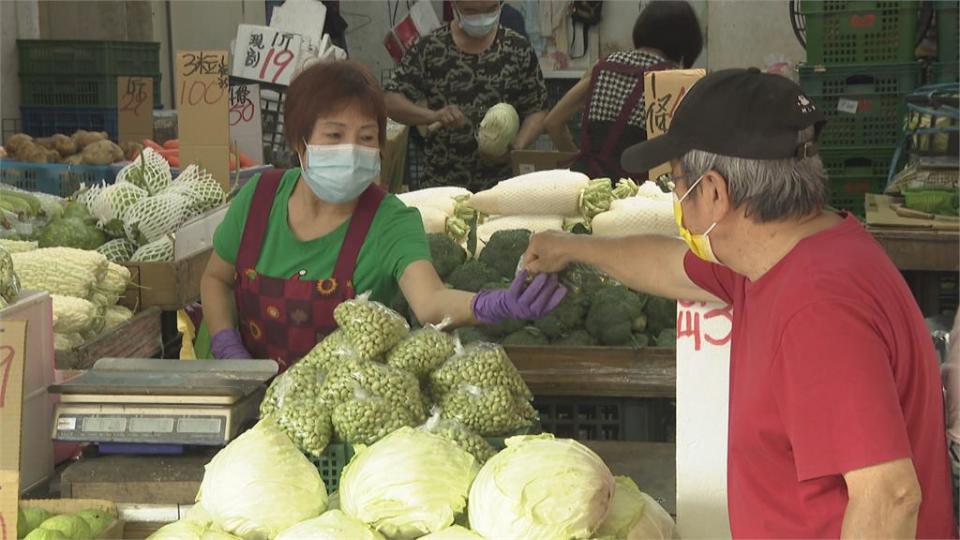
(200, 430)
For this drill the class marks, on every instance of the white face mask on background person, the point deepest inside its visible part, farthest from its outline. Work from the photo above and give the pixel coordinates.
(339, 173)
(479, 25)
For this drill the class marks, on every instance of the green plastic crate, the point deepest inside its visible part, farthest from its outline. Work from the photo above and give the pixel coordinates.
(948, 36)
(944, 72)
(877, 94)
(75, 91)
(55, 57)
(860, 32)
(332, 462)
(857, 161)
(847, 192)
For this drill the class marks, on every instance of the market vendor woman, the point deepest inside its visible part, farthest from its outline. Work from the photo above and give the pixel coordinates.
(296, 243)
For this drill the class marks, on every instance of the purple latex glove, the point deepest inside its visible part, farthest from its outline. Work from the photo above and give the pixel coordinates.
(228, 345)
(521, 301)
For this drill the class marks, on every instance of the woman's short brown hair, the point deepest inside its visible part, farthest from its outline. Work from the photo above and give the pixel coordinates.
(324, 88)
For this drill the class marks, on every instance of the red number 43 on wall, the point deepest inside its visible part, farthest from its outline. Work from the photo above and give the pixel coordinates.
(689, 323)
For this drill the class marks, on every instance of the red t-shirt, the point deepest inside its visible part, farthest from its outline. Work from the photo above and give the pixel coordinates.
(832, 369)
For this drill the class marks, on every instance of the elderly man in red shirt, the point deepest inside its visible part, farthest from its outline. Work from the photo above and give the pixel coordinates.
(836, 406)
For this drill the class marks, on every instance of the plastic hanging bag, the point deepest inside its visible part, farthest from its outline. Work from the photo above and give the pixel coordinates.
(488, 410)
(481, 364)
(366, 418)
(454, 431)
(371, 327)
(423, 350)
(291, 402)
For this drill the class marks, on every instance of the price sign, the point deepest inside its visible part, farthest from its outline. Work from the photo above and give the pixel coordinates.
(662, 93)
(135, 108)
(12, 343)
(203, 97)
(246, 130)
(265, 54)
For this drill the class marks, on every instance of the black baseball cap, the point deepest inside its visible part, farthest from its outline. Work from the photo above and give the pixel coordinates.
(734, 112)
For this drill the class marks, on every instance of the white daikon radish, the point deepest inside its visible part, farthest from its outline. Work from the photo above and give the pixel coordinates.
(434, 220)
(533, 224)
(441, 198)
(542, 193)
(650, 190)
(636, 215)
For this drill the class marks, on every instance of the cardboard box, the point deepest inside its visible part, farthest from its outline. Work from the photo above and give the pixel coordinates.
(166, 285)
(137, 338)
(72, 506)
(662, 93)
(528, 161)
(36, 455)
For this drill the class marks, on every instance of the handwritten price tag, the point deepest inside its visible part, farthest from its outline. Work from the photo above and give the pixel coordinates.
(246, 129)
(265, 54)
(12, 343)
(203, 97)
(701, 322)
(135, 108)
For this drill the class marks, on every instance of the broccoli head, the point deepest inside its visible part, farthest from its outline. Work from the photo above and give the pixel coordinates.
(504, 249)
(667, 338)
(447, 255)
(661, 314)
(470, 334)
(577, 338)
(580, 278)
(472, 276)
(525, 336)
(568, 316)
(614, 314)
(640, 341)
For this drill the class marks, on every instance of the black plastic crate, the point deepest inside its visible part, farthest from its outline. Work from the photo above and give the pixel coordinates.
(607, 419)
(47, 121)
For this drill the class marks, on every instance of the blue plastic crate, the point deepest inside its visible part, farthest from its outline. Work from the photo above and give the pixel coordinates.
(47, 121)
(54, 178)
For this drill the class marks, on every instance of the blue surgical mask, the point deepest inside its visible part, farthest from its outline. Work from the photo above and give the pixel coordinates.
(479, 25)
(339, 173)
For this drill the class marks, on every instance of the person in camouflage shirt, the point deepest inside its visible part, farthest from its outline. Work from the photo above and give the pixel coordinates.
(459, 72)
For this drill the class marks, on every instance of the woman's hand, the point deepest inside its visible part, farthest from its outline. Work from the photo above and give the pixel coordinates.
(228, 345)
(450, 117)
(522, 301)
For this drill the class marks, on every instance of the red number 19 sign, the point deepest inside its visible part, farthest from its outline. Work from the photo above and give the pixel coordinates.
(12, 343)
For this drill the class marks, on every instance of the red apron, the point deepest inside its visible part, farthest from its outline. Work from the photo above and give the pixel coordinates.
(283, 319)
(601, 162)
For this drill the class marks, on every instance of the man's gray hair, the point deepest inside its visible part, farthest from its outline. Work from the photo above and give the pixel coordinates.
(772, 190)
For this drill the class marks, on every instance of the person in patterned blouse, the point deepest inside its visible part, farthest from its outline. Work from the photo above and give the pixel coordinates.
(666, 35)
(459, 72)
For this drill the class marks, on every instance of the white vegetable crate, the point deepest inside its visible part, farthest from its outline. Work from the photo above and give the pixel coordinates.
(36, 461)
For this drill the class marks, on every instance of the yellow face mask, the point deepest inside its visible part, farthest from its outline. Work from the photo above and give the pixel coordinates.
(699, 243)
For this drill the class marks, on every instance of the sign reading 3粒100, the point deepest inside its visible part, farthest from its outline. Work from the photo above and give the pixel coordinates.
(265, 54)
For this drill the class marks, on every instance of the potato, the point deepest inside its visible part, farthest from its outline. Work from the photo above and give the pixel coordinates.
(46, 142)
(102, 152)
(76, 159)
(52, 155)
(64, 145)
(84, 138)
(16, 142)
(32, 153)
(131, 150)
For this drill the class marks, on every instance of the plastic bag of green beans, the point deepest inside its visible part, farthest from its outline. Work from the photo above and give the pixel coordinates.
(454, 431)
(291, 401)
(366, 418)
(481, 364)
(372, 328)
(487, 410)
(423, 350)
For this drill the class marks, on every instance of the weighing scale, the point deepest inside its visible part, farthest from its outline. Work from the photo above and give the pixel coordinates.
(133, 401)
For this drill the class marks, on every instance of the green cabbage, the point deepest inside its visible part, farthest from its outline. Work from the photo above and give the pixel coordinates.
(69, 526)
(634, 515)
(408, 484)
(453, 533)
(541, 487)
(333, 525)
(498, 129)
(261, 484)
(187, 529)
